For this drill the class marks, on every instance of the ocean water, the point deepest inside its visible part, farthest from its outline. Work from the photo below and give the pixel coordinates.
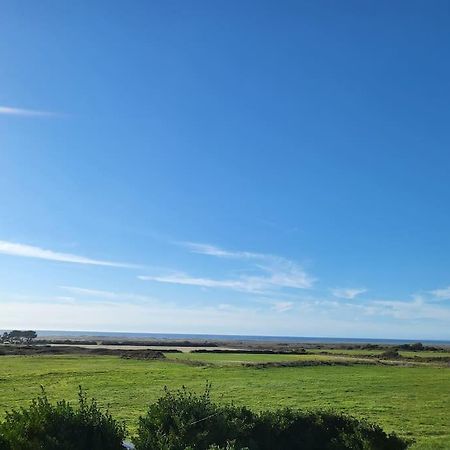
(234, 337)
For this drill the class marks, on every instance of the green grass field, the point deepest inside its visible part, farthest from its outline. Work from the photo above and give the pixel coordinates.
(413, 401)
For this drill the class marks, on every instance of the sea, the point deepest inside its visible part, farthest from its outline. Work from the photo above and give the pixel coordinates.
(233, 337)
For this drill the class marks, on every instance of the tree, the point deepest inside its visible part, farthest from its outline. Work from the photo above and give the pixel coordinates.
(18, 337)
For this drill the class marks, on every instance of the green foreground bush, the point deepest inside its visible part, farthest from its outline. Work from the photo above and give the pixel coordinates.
(59, 426)
(182, 420)
(186, 421)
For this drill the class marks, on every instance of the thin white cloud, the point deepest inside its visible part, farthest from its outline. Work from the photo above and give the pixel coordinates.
(250, 284)
(212, 250)
(278, 272)
(108, 295)
(417, 309)
(348, 293)
(29, 251)
(441, 294)
(283, 306)
(285, 273)
(243, 284)
(181, 278)
(11, 111)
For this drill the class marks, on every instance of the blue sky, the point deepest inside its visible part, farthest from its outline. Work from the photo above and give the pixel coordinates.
(226, 167)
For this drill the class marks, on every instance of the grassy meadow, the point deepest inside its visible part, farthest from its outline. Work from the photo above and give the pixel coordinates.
(414, 401)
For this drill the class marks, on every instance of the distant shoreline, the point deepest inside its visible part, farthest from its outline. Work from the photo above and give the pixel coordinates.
(223, 337)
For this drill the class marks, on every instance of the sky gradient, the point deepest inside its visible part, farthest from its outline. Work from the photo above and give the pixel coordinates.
(226, 167)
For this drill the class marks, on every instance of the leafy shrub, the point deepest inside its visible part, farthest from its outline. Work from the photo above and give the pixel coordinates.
(391, 354)
(292, 429)
(416, 347)
(47, 426)
(4, 443)
(183, 420)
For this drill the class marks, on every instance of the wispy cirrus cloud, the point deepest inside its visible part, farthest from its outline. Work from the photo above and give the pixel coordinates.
(22, 112)
(417, 309)
(283, 306)
(275, 272)
(212, 250)
(105, 294)
(348, 293)
(182, 278)
(281, 271)
(30, 251)
(441, 294)
(250, 284)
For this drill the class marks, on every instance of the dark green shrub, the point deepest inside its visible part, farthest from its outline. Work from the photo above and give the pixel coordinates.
(391, 354)
(293, 429)
(47, 426)
(4, 443)
(182, 420)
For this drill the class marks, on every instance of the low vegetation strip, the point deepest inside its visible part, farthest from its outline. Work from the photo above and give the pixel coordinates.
(301, 351)
(309, 363)
(393, 355)
(30, 350)
(183, 420)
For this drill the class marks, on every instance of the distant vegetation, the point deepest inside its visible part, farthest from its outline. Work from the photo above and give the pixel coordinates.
(18, 337)
(391, 354)
(29, 350)
(182, 421)
(295, 351)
